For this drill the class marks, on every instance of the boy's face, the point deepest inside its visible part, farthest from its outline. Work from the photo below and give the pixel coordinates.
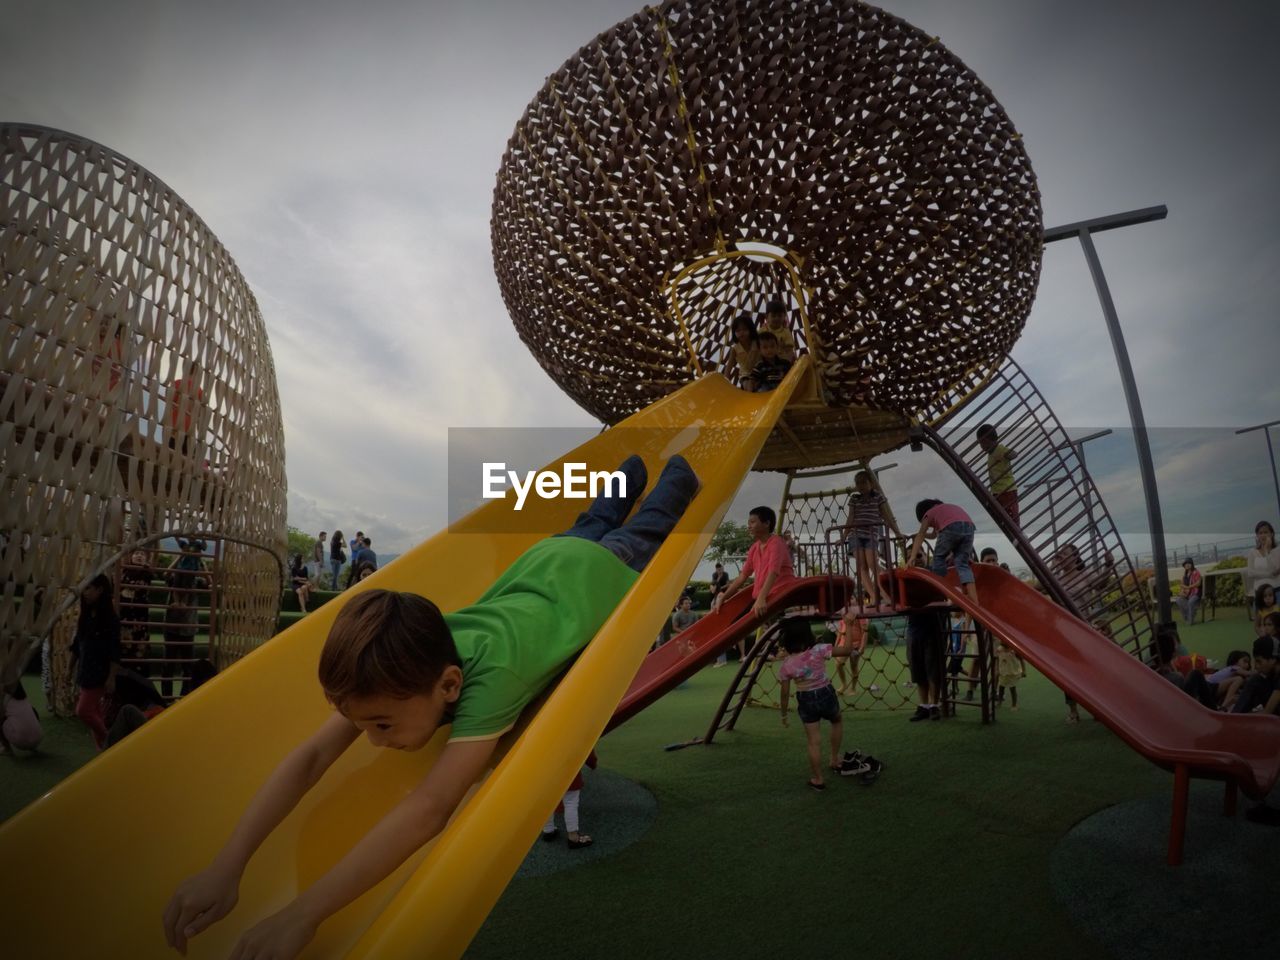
(768, 349)
(1266, 665)
(756, 527)
(862, 483)
(987, 442)
(990, 558)
(774, 321)
(406, 723)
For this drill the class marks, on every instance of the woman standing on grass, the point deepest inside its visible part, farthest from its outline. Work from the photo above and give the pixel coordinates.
(337, 556)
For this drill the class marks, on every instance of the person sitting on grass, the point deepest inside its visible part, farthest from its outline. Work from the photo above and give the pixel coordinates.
(301, 582)
(768, 563)
(954, 530)
(397, 670)
(19, 725)
(806, 664)
(1261, 691)
(1226, 683)
(771, 368)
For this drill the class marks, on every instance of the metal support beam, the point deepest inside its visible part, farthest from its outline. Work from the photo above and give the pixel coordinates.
(1083, 229)
(1266, 428)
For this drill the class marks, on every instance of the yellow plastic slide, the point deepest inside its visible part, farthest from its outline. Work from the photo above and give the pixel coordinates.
(88, 868)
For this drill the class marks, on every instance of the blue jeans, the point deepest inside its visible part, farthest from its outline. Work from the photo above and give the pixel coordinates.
(955, 540)
(335, 565)
(638, 539)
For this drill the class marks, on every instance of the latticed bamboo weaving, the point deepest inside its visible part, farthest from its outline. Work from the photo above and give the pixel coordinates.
(881, 191)
(137, 391)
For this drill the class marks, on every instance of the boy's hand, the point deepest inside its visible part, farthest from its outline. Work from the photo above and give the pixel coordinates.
(199, 902)
(760, 606)
(281, 936)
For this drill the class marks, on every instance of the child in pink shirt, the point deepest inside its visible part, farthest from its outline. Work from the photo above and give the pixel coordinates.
(768, 561)
(816, 699)
(954, 530)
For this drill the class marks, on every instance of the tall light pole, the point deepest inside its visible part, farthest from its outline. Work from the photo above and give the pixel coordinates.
(1084, 231)
(1266, 428)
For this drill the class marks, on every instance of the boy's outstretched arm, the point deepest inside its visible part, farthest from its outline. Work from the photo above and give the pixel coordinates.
(411, 823)
(915, 546)
(210, 895)
(728, 592)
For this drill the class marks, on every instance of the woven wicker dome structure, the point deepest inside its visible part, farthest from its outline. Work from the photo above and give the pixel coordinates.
(705, 157)
(137, 390)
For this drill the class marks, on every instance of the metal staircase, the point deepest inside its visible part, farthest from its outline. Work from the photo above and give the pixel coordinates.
(1064, 532)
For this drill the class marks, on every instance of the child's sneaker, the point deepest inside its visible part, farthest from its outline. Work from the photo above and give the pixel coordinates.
(872, 773)
(922, 713)
(853, 755)
(854, 768)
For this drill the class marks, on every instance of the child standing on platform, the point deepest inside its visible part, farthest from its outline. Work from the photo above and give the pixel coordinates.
(954, 530)
(868, 509)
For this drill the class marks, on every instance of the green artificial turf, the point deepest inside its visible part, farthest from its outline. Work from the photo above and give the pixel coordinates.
(947, 856)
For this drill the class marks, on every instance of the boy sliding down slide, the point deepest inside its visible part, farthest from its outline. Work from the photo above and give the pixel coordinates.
(396, 669)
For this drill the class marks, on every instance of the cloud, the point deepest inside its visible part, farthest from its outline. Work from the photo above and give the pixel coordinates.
(345, 154)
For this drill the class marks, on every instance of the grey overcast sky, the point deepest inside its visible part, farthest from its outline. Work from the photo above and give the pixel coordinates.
(345, 154)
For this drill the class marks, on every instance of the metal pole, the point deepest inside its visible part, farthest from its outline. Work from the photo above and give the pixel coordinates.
(1140, 439)
(1266, 428)
(1078, 446)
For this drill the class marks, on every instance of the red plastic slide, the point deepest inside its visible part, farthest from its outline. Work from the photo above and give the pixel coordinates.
(1144, 709)
(688, 652)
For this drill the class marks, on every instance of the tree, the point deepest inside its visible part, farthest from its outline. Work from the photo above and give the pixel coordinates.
(729, 541)
(300, 542)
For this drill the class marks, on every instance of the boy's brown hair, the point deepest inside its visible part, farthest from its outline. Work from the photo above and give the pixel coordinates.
(385, 643)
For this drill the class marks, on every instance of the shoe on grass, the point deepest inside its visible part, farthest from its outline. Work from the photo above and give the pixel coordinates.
(922, 713)
(854, 768)
(872, 774)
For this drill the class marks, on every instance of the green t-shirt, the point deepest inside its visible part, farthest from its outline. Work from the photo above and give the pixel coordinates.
(999, 469)
(526, 628)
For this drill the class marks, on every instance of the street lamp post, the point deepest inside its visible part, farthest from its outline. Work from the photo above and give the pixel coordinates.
(1266, 429)
(1084, 231)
